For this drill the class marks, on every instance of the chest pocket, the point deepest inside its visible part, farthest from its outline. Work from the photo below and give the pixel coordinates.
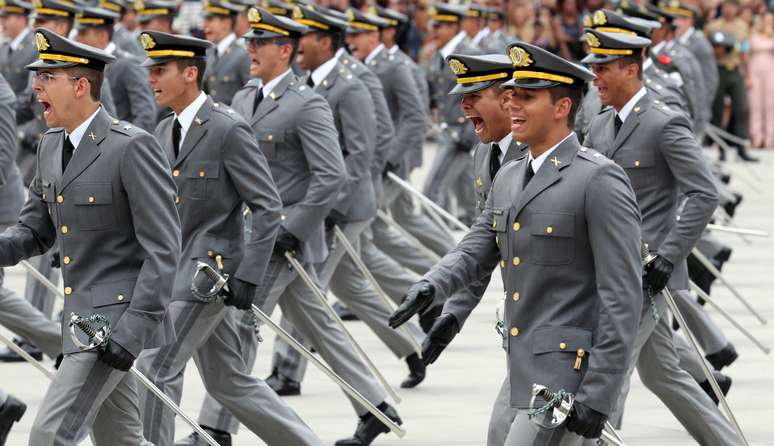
(201, 179)
(93, 203)
(47, 195)
(500, 227)
(270, 141)
(551, 240)
(638, 166)
(112, 293)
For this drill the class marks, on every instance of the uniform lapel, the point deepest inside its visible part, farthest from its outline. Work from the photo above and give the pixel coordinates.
(269, 103)
(197, 130)
(328, 82)
(88, 149)
(632, 121)
(165, 138)
(515, 151)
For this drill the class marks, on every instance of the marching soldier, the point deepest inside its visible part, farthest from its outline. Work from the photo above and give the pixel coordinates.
(104, 195)
(228, 64)
(662, 160)
(155, 15)
(561, 211)
(19, 50)
(126, 31)
(131, 93)
(497, 38)
(296, 131)
(217, 168)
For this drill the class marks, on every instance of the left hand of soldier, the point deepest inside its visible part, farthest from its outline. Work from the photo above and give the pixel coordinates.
(418, 297)
(334, 218)
(657, 275)
(240, 294)
(116, 356)
(439, 337)
(585, 421)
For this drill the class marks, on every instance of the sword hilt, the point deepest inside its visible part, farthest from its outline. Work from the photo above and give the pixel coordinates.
(96, 327)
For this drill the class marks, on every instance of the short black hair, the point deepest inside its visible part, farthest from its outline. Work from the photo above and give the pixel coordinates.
(634, 59)
(287, 41)
(337, 39)
(95, 78)
(199, 62)
(575, 95)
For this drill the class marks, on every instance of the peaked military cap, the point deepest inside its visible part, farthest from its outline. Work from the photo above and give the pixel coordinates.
(278, 7)
(475, 73)
(494, 14)
(9, 7)
(612, 22)
(161, 47)
(265, 25)
(118, 6)
(635, 10)
(361, 22)
(679, 8)
(392, 16)
(606, 47)
(53, 10)
(664, 16)
(94, 17)
(476, 11)
(445, 12)
(534, 67)
(723, 39)
(55, 51)
(221, 8)
(319, 19)
(149, 10)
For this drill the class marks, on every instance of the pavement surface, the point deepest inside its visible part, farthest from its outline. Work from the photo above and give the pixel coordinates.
(453, 405)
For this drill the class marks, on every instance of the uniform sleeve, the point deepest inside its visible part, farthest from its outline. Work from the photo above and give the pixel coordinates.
(410, 115)
(385, 131)
(7, 131)
(249, 171)
(613, 222)
(694, 179)
(145, 175)
(33, 235)
(320, 144)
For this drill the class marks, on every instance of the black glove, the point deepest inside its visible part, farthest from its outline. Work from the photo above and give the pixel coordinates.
(585, 421)
(240, 294)
(334, 218)
(418, 297)
(116, 356)
(657, 275)
(55, 260)
(428, 317)
(286, 242)
(389, 167)
(444, 330)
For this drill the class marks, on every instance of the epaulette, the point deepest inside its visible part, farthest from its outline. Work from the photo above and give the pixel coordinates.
(346, 74)
(592, 155)
(658, 105)
(124, 127)
(224, 109)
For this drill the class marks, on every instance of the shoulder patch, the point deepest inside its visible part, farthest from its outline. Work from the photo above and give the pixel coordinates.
(126, 128)
(592, 155)
(225, 110)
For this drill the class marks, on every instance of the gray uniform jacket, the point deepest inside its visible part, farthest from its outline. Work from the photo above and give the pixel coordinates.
(657, 149)
(132, 93)
(568, 245)
(414, 156)
(220, 168)
(113, 215)
(354, 116)
(11, 187)
(481, 161)
(404, 102)
(496, 42)
(698, 44)
(694, 87)
(295, 130)
(226, 74)
(13, 63)
(128, 41)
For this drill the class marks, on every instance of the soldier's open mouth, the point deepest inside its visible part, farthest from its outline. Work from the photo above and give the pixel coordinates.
(478, 124)
(517, 123)
(46, 107)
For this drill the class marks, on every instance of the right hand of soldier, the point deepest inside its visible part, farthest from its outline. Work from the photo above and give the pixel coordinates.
(439, 337)
(657, 275)
(418, 297)
(116, 356)
(240, 294)
(286, 242)
(55, 260)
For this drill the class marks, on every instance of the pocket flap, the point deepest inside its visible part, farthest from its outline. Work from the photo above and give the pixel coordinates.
(92, 193)
(119, 292)
(271, 135)
(202, 169)
(560, 339)
(499, 219)
(553, 224)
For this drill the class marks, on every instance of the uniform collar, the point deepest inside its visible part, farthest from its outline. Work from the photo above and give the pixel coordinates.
(110, 48)
(537, 162)
(452, 44)
(18, 39)
(627, 109)
(188, 114)
(372, 55)
(503, 144)
(269, 86)
(225, 43)
(686, 35)
(393, 49)
(321, 72)
(77, 135)
(481, 34)
(657, 48)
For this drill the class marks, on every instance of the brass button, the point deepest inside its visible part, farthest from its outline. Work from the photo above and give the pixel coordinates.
(64, 229)
(461, 120)
(502, 263)
(516, 296)
(44, 196)
(562, 345)
(68, 290)
(59, 199)
(120, 297)
(270, 137)
(516, 261)
(494, 224)
(516, 226)
(91, 199)
(177, 199)
(549, 230)
(66, 260)
(282, 217)
(514, 331)
(201, 173)
(175, 173)
(636, 164)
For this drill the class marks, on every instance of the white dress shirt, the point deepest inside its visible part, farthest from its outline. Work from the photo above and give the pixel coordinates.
(18, 39)
(269, 86)
(188, 114)
(626, 110)
(374, 53)
(77, 135)
(110, 48)
(537, 162)
(225, 43)
(321, 72)
(481, 34)
(452, 44)
(503, 144)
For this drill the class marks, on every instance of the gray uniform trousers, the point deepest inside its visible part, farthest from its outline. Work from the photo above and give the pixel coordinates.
(88, 394)
(210, 334)
(283, 286)
(709, 335)
(416, 221)
(348, 284)
(394, 279)
(451, 170)
(658, 366)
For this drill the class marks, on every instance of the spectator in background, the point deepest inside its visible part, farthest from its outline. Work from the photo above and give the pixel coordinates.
(761, 92)
(521, 15)
(567, 26)
(545, 37)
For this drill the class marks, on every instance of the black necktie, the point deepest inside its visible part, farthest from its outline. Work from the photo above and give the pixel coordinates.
(258, 99)
(176, 137)
(494, 161)
(618, 123)
(528, 174)
(67, 153)
(310, 81)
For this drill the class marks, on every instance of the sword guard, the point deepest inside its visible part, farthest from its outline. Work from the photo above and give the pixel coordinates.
(556, 409)
(96, 327)
(218, 283)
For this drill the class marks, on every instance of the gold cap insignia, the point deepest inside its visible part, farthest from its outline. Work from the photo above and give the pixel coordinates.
(351, 15)
(253, 15)
(2, 4)
(599, 18)
(41, 42)
(520, 57)
(587, 22)
(139, 5)
(297, 13)
(147, 41)
(592, 40)
(457, 67)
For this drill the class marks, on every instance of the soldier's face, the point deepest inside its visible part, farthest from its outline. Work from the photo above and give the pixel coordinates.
(310, 49)
(267, 59)
(610, 81)
(61, 27)
(361, 44)
(169, 82)
(216, 28)
(56, 91)
(533, 114)
(157, 24)
(13, 24)
(91, 36)
(489, 111)
(443, 32)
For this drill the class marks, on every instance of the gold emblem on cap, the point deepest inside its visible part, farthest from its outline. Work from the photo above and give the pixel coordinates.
(457, 67)
(2, 4)
(520, 57)
(139, 5)
(592, 40)
(41, 42)
(254, 15)
(147, 41)
(297, 13)
(351, 15)
(587, 22)
(599, 18)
